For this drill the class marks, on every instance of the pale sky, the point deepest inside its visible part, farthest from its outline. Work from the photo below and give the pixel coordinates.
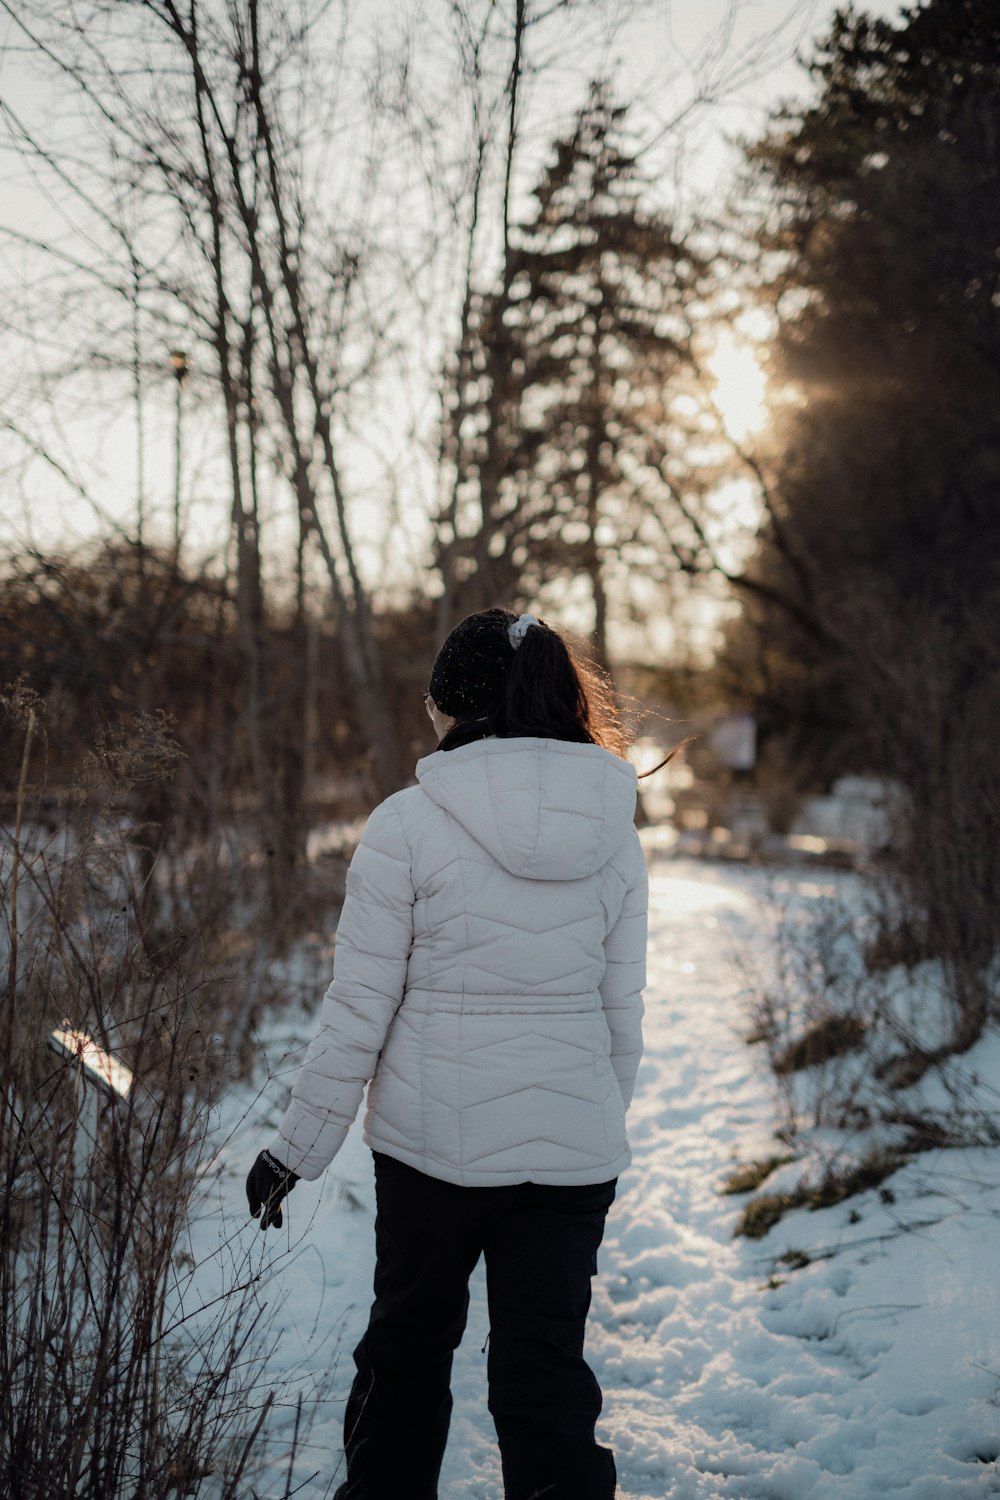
(661, 53)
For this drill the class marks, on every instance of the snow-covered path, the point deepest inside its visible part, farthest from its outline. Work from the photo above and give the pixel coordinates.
(873, 1370)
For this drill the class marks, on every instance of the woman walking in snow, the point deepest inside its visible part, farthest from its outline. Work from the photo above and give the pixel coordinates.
(488, 982)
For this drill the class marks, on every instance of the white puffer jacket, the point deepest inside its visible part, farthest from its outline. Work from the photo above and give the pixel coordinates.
(488, 975)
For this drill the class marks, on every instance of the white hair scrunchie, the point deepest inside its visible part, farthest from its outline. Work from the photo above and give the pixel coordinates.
(518, 629)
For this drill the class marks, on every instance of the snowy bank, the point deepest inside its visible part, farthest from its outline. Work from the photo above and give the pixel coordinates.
(872, 1368)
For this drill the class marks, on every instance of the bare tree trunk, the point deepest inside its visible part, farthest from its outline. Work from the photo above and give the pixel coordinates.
(495, 465)
(453, 421)
(356, 637)
(490, 462)
(596, 480)
(140, 416)
(289, 349)
(249, 587)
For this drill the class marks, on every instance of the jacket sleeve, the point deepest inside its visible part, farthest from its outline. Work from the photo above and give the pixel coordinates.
(374, 936)
(625, 972)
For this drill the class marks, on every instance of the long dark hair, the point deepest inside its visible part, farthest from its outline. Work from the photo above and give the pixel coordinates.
(549, 691)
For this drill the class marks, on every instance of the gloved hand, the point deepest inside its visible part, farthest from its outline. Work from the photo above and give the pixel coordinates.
(268, 1182)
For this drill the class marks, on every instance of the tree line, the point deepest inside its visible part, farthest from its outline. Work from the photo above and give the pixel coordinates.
(577, 451)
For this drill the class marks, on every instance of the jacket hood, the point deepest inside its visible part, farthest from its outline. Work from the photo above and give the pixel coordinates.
(544, 809)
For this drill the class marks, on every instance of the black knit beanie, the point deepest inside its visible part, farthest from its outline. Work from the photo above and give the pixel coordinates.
(472, 665)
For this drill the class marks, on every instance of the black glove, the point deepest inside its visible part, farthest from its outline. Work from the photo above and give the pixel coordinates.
(267, 1183)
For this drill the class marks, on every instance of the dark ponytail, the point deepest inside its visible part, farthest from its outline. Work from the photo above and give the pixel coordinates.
(554, 693)
(546, 691)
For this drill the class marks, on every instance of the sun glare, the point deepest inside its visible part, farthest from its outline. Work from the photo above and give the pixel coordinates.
(739, 386)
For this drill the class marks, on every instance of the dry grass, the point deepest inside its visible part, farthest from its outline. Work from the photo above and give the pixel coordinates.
(826, 1037)
(109, 1387)
(837, 1184)
(748, 1177)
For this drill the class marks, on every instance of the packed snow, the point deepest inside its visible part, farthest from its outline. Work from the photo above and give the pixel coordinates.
(873, 1369)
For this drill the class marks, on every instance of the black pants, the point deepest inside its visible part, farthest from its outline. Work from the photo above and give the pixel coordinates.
(540, 1243)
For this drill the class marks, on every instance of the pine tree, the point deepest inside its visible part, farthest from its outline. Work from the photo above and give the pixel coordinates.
(577, 354)
(884, 211)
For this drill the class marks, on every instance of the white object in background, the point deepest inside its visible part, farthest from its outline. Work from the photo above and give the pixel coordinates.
(105, 1076)
(99, 1067)
(733, 737)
